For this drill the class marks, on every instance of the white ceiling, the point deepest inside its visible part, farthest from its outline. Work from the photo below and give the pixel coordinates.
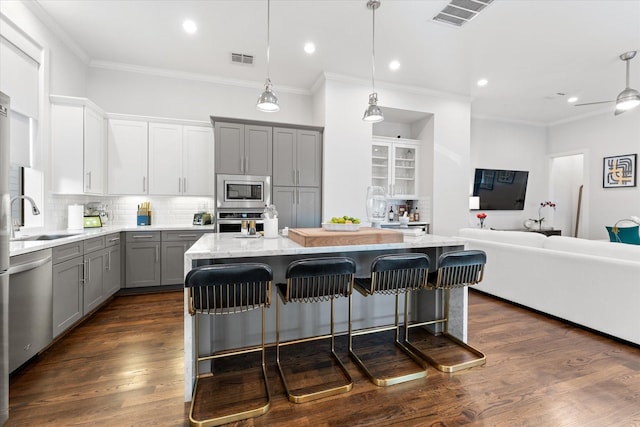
(529, 50)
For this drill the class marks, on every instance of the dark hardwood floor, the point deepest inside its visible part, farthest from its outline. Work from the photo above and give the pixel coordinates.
(124, 367)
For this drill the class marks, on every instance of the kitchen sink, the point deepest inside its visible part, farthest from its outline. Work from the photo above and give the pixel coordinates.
(42, 237)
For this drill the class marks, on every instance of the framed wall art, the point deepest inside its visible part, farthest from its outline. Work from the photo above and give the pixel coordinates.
(619, 171)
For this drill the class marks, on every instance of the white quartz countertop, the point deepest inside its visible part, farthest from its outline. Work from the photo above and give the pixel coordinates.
(231, 245)
(19, 247)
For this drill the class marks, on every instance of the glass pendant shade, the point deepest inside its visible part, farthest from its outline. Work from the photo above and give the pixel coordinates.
(373, 113)
(268, 101)
(376, 205)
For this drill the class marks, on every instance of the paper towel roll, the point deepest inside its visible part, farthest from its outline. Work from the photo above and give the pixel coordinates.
(75, 219)
(271, 228)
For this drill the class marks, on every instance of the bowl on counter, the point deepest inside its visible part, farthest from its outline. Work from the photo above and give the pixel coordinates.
(332, 226)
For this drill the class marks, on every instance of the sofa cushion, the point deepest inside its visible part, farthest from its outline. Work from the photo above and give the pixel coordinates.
(624, 235)
(593, 247)
(522, 238)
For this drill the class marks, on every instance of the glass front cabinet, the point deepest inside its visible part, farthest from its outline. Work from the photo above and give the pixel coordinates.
(394, 165)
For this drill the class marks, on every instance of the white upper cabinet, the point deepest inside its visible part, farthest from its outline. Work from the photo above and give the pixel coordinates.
(180, 160)
(127, 157)
(394, 166)
(77, 146)
(197, 161)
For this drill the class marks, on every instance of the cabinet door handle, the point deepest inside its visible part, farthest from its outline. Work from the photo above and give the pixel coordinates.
(157, 254)
(293, 172)
(108, 261)
(115, 239)
(184, 184)
(89, 180)
(179, 184)
(187, 235)
(144, 184)
(246, 162)
(242, 164)
(143, 236)
(298, 177)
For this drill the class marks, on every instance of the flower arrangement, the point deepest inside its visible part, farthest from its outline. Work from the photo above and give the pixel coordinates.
(481, 216)
(540, 217)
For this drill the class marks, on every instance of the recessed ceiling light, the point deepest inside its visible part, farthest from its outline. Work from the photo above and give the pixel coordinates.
(483, 82)
(189, 26)
(394, 65)
(572, 99)
(309, 48)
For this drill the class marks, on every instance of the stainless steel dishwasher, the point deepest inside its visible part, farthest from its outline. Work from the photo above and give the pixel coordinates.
(30, 308)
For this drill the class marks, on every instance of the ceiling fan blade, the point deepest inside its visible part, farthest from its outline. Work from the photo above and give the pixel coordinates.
(593, 103)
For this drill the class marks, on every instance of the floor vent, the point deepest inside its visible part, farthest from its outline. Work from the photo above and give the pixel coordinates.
(241, 58)
(459, 12)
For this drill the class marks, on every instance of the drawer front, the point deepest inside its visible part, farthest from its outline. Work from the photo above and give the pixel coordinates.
(181, 236)
(66, 252)
(143, 236)
(94, 244)
(112, 239)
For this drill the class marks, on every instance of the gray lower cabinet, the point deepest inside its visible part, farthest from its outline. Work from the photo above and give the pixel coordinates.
(297, 206)
(68, 276)
(94, 262)
(142, 263)
(85, 274)
(174, 245)
(29, 306)
(112, 273)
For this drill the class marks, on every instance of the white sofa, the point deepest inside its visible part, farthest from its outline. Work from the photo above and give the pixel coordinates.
(591, 283)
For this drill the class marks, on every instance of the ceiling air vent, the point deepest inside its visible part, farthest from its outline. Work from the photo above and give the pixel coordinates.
(459, 12)
(241, 58)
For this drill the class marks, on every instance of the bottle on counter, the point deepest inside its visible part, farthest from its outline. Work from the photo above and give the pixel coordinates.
(416, 215)
(391, 215)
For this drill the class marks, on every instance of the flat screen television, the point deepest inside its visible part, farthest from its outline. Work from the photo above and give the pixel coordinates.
(500, 189)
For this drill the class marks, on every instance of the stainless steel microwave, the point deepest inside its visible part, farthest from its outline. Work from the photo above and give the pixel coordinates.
(243, 191)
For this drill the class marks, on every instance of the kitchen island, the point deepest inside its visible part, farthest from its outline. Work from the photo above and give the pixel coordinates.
(303, 319)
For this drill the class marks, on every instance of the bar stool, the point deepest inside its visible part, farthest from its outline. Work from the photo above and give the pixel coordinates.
(456, 269)
(228, 289)
(391, 275)
(311, 281)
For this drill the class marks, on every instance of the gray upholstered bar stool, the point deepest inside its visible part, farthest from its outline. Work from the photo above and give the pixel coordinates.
(315, 280)
(227, 289)
(393, 274)
(456, 269)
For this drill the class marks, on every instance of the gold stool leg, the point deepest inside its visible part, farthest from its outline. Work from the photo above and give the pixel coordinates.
(479, 359)
(309, 396)
(386, 381)
(237, 416)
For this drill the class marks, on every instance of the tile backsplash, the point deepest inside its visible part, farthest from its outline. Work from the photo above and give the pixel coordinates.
(122, 210)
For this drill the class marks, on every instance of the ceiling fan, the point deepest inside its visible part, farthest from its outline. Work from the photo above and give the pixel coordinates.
(627, 99)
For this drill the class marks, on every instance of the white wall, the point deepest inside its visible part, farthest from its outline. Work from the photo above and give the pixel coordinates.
(602, 136)
(347, 153)
(511, 146)
(162, 96)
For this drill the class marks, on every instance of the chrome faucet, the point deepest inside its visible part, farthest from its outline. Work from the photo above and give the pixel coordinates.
(15, 225)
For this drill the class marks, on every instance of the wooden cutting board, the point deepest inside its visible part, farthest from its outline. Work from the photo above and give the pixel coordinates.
(312, 237)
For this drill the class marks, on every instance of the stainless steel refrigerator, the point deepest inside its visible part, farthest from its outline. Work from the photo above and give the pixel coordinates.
(4, 258)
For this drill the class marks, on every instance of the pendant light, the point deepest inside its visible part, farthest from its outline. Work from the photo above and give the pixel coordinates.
(268, 101)
(373, 114)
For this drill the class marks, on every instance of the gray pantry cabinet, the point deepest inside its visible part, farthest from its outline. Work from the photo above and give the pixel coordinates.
(297, 206)
(243, 149)
(297, 157)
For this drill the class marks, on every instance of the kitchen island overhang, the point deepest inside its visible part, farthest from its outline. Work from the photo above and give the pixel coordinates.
(303, 319)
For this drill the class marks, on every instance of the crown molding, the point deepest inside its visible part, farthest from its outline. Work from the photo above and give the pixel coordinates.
(36, 8)
(599, 112)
